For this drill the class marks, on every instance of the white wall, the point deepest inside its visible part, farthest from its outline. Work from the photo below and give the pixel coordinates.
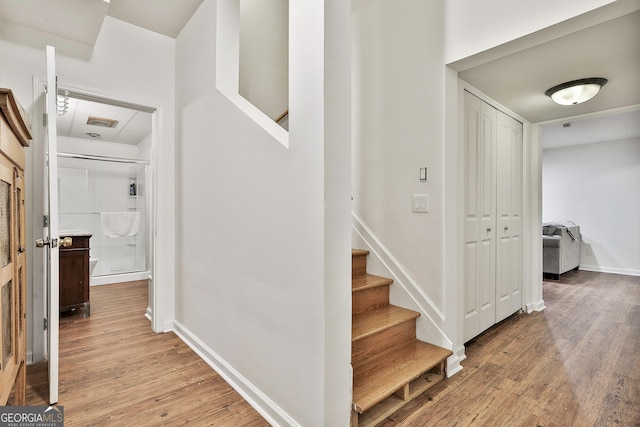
(399, 101)
(597, 186)
(475, 26)
(398, 128)
(114, 69)
(255, 286)
(337, 201)
(264, 54)
(144, 150)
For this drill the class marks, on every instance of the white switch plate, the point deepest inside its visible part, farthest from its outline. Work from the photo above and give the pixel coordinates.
(420, 203)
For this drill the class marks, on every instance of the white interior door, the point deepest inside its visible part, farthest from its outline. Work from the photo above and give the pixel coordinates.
(480, 216)
(493, 216)
(52, 232)
(509, 217)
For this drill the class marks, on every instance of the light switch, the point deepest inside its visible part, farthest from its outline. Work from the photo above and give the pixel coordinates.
(420, 203)
(423, 174)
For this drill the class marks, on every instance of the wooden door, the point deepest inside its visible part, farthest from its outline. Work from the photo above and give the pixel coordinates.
(14, 136)
(8, 338)
(479, 216)
(509, 217)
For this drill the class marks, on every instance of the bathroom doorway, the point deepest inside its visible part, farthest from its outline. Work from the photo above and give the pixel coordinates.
(139, 158)
(105, 179)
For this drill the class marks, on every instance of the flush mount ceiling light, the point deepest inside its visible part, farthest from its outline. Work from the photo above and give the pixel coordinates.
(576, 91)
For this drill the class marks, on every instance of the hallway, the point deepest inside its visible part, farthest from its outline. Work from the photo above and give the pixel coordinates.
(577, 363)
(114, 370)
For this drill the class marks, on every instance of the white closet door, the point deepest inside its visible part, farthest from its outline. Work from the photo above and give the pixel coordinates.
(479, 217)
(509, 217)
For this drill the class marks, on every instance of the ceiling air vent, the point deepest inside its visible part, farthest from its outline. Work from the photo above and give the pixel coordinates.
(99, 121)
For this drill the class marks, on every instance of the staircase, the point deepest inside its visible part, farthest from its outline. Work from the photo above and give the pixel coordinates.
(390, 366)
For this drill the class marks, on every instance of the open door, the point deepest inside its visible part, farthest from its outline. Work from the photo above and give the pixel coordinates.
(50, 240)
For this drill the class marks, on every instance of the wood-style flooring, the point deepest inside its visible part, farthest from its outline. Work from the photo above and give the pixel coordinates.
(577, 363)
(115, 371)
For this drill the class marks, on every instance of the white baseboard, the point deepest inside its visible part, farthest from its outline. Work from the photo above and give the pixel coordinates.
(275, 415)
(536, 306)
(600, 269)
(168, 326)
(453, 362)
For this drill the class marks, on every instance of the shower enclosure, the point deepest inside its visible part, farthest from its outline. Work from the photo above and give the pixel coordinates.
(107, 197)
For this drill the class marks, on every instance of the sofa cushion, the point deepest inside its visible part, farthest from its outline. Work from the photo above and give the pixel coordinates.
(551, 241)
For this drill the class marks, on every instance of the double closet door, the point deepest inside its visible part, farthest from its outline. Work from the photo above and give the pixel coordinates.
(492, 216)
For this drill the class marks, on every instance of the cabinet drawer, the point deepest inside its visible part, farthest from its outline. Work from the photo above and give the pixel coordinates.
(79, 242)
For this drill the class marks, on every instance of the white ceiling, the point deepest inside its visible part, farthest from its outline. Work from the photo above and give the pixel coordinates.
(82, 25)
(81, 20)
(166, 17)
(600, 128)
(133, 126)
(610, 49)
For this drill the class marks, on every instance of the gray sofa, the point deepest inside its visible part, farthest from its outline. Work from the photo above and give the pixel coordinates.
(560, 248)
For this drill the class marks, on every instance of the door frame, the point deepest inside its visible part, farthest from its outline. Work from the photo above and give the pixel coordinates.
(37, 339)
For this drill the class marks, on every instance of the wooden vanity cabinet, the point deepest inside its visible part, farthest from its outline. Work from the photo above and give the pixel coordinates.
(15, 133)
(74, 275)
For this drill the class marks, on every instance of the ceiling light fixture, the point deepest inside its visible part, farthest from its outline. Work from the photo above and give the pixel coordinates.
(576, 91)
(99, 121)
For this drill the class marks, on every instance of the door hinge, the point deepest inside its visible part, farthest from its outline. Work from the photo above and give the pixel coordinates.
(45, 221)
(45, 119)
(46, 323)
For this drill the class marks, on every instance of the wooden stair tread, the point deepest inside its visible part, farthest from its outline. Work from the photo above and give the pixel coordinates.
(372, 321)
(390, 366)
(368, 281)
(384, 374)
(359, 252)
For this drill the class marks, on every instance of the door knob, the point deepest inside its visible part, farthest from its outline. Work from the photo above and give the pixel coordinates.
(66, 242)
(41, 243)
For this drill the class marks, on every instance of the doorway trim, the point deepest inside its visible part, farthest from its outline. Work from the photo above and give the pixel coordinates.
(38, 335)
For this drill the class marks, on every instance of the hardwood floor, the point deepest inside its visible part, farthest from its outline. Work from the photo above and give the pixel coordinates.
(577, 363)
(114, 370)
